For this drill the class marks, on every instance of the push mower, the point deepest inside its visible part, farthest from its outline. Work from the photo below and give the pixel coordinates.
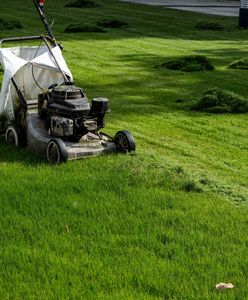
(46, 112)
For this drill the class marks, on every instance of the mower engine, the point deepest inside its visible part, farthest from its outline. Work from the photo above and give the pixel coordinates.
(67, 112)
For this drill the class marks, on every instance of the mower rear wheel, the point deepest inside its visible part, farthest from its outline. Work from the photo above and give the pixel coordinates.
(56, 151)
(14, 135)
(124, 141)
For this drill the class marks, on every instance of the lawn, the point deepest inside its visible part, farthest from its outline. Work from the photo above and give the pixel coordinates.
(168, 222)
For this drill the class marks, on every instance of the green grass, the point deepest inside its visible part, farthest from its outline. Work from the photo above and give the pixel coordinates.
(168, 222)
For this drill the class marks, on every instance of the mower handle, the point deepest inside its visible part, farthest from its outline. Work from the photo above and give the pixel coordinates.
(26, 38)
(43, 19)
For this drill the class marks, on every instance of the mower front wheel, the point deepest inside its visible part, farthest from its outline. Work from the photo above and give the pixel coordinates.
(124, 141)
(56, 151)
(15, 136)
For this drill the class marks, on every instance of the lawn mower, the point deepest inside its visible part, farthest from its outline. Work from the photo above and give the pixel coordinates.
(44, 110)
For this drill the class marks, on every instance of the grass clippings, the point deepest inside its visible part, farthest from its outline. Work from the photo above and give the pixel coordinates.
(10, 24)
(221, 101)
(191, 186)
(131, 226)
(112, 23)
(82, 4)
(203, 25)
(241, 64)
(192, 63)
(78, 27)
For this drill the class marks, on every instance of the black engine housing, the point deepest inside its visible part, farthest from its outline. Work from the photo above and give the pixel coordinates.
(67, 103)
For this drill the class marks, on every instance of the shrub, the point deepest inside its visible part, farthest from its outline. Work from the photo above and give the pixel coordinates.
(203, 25)
(221, 101)
(112, 23)
(241, 64)
(9, 24)
(192, 63)
(81, 4)
(78, 27)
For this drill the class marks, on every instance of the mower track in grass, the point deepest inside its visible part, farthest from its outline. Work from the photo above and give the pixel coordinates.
(169, 222)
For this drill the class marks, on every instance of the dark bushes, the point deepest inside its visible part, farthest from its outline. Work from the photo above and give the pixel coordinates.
(82, 4)
(9, 24)
(203, 25)
(221, 101)
(192, 63)
(112, 23)
(79, 27)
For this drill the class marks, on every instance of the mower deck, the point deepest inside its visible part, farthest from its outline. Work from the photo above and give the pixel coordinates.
(90, 145)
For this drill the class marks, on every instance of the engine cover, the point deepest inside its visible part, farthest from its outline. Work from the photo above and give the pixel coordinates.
(61, 127)
(68, 101)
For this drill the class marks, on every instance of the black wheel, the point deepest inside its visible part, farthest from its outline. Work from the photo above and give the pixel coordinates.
(14, 135)
(124, 141)
(56, 151)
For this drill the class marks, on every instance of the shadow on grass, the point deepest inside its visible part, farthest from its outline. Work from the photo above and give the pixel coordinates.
(224, 55)
(153, 62)
(11, 154)
(151, 90)
(147, 21)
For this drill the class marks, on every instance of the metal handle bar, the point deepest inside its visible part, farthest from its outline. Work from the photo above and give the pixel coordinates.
(44, 20)
(26, 38)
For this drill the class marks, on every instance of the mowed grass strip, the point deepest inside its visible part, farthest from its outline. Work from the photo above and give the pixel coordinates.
(154, 225)
(104, 234)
